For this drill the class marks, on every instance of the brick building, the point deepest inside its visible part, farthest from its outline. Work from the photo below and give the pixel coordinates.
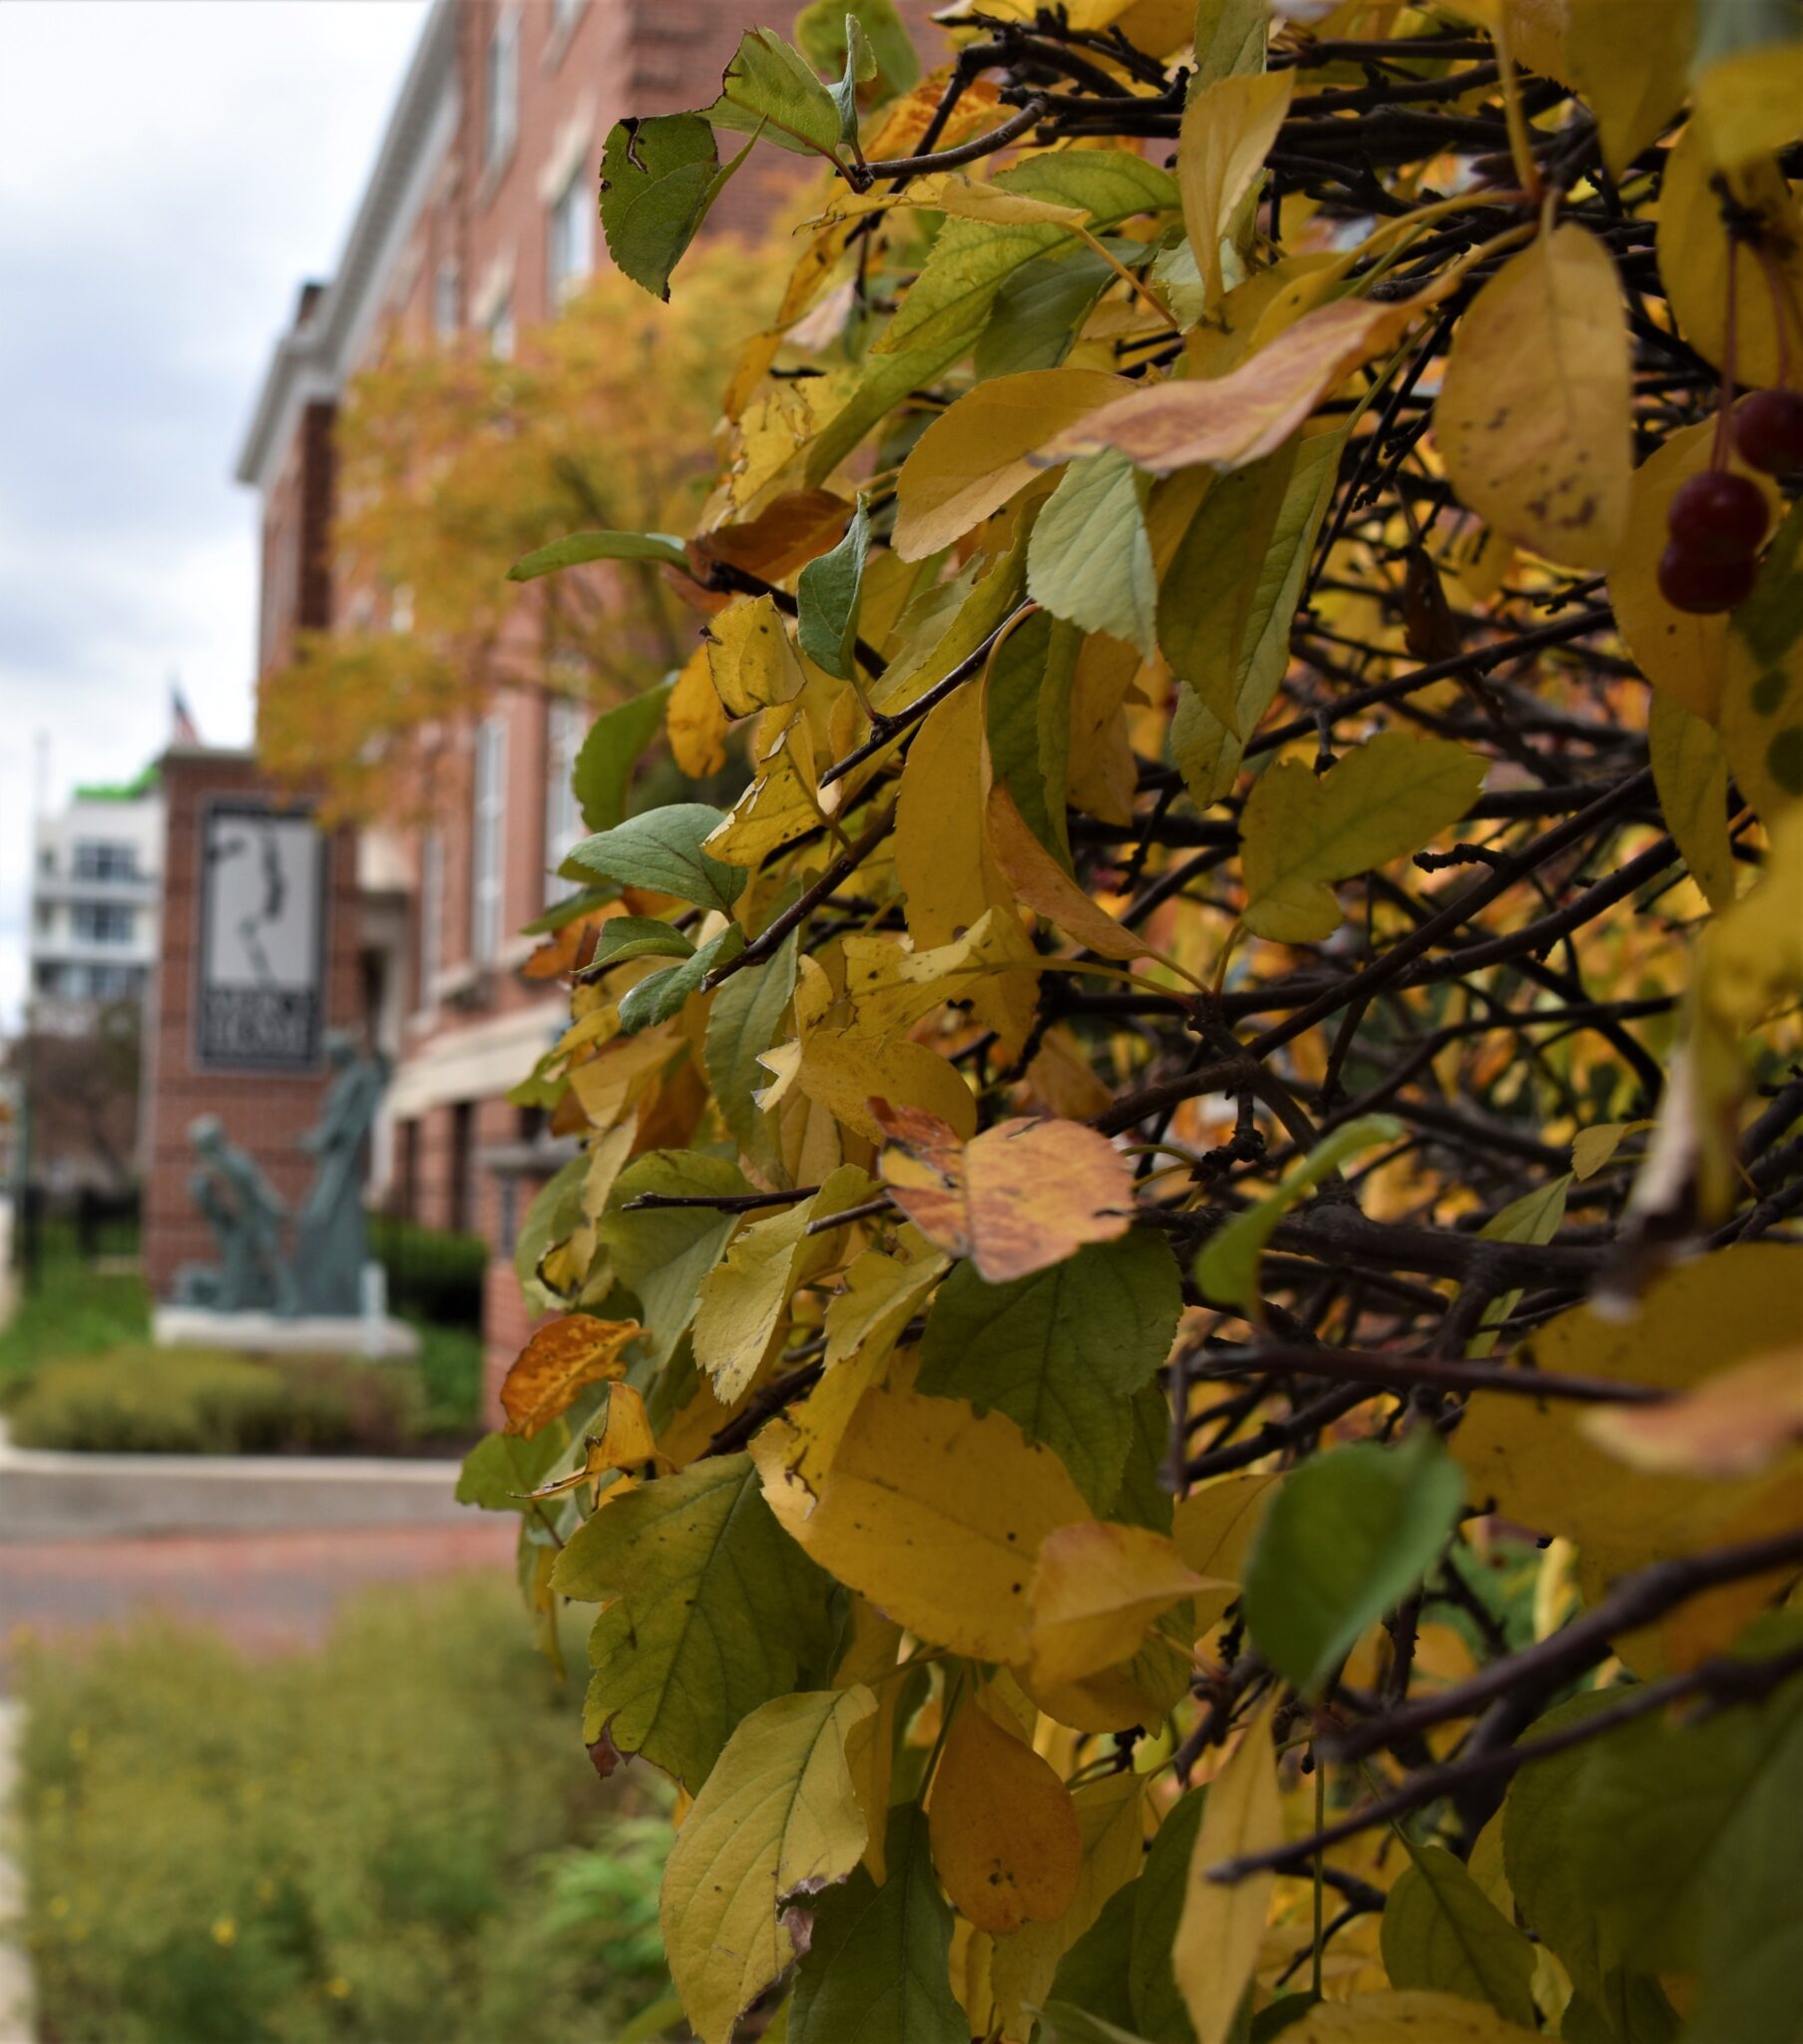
(477, 223)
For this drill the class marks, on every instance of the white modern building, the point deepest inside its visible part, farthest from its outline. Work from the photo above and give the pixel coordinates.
(96, 903)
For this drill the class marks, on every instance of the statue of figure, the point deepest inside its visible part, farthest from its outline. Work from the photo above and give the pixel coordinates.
(247, 1217)
(333, 1243)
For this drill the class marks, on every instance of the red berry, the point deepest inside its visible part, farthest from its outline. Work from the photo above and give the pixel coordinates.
(1718, 517)
(1690, 582)
(1768, 430)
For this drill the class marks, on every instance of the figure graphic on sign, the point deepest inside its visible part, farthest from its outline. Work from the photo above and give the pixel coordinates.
(245, 1217)
(258, 840)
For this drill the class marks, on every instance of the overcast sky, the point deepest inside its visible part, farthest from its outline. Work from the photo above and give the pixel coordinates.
(169, 170)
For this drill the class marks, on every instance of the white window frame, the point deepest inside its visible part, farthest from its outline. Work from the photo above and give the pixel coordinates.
(488, 840)
(566, 725)
(499, 328)
(500, 91)
(431, 917)
(570, 238)
(447, 300)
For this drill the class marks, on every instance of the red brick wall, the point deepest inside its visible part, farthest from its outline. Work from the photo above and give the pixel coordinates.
(263, 1111)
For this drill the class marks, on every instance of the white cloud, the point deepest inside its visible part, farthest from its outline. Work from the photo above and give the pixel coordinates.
(169, 170)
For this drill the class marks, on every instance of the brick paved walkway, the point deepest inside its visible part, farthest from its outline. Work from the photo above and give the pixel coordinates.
(265, 1591)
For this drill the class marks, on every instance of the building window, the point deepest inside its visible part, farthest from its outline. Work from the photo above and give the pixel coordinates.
(447, 300)
(488, 842)
(572, 254)
(566, 725)
(101, 861)
(499, 329)
(101, 922)
(463, 1167)
(431, 916)
(501, 102)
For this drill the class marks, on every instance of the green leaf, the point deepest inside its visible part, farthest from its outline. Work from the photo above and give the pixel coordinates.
(1143, 1499)
(663, 1252)
(603, 766)
(1344, 1539)
(662, 850)
(1061, 1352)
(1231, 39)
(1229, 595)
(1301, 831)
(1039, 311)
(1203, 750)
(501, 1467)
(710, 1610)
(1536, 1217)
(827, 596)
(779, 1816)
(820, 30)
(1686, 1837)
(1227, 1267)
(741, 1025)
(597, 546)
(1064, 2023)
(1090, 558)
(859, 69)
(877, 1967)
(1442, 1931)
(1092, 1976)
(655, 999)
(770, 90)
(659, 177)
(1158, 2003)
(1029, 724)
(637, 936)
(552, 1218)
(1273, 2021)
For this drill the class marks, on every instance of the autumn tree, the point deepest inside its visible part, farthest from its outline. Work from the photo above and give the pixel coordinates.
(1178, 1346)
(451, 459)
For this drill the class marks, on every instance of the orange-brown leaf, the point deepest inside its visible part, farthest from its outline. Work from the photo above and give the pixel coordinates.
(1734, 1424)
(557, 1363)
(1021, 1197)
(1006, 1838)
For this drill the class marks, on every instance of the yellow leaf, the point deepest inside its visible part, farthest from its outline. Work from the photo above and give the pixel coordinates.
(1006, 1843)
(1416, 2017)
(942, 857)
(557, 1363)
(696, 720)
(1683, 655)
(1231, 420)
(1762, 684)
(892, 985)
(1751, 101)
(843, 1072)
(974, 456)
(1734, 1424)
(1690, 772)
(1753, 955)
(781, 803)
(1635, 83)
(1539, 1466)
(1019, 1197)
(881, 1294)
(1096, 1588)
(1692, 250)
(625, 1439)
(744, 1298)
(749, 657)
(1213, 1528)
(1301, 831)
(934, 1514)
(778, 1815)
(1223, 1925)
(1532, 416)
(1227, 132)
(1040, 881)
(607, 1084)
(1592, 1148)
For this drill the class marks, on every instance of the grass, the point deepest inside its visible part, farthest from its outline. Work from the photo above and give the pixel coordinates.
(396, 1838)
(72, 1311)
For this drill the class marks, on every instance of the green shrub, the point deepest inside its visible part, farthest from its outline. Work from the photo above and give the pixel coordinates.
(145, 1400)
(395, 1839)
(71, 1309)
(450, 1375)
(433, 1275)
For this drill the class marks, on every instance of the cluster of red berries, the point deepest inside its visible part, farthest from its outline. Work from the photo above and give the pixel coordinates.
(1716, 520)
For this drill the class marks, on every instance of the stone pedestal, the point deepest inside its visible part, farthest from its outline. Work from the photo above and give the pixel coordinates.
(193, 1326)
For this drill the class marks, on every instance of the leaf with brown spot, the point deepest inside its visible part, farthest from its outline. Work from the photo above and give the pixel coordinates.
(1022, 1197)
(1006, 1841)
(557, 1363)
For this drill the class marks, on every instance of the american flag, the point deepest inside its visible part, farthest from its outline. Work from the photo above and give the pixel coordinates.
(182, 730)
